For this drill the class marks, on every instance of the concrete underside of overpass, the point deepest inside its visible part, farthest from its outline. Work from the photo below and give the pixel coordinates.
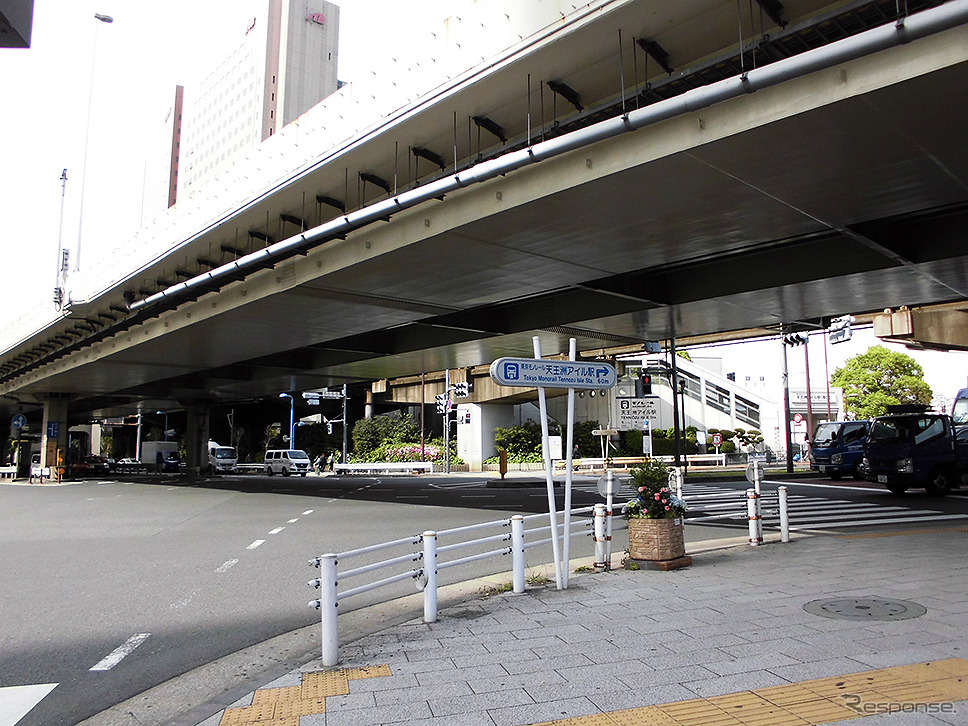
(843, 191)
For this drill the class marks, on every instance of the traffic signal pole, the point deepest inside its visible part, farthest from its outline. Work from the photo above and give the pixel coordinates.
(447, 421)
(786, 409)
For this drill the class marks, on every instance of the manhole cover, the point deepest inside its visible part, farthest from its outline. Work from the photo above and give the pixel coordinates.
(865, 608)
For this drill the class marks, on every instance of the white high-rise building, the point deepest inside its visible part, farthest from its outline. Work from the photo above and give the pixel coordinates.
(283, 65)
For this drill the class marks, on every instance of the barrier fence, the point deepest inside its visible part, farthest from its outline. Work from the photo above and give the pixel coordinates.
(424, 564)
(427, 554)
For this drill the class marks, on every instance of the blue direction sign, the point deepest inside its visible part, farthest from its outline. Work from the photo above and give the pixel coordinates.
(19, 421)
(540, 373)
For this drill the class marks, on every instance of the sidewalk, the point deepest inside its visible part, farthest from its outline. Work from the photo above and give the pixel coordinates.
(725, 641)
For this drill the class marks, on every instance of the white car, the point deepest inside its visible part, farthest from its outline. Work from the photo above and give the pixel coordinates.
(287, 461)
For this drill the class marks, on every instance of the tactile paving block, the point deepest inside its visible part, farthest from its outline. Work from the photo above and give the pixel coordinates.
(698, 712)
(376, 671)
(275, 695)
(303, 707)
(647, 716)
(321, 684)
(248, 714)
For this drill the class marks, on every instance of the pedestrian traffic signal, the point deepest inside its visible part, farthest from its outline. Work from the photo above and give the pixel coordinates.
(441, 399)
(796, 339)
(462, 389)
(643, 385)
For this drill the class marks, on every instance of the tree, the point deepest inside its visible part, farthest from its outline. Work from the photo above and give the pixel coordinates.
(879, 378)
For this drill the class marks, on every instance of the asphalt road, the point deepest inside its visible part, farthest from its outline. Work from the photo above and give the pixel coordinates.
(113, 587)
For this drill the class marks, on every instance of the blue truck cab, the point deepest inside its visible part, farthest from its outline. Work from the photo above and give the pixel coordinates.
(919, 449)
(837, 448)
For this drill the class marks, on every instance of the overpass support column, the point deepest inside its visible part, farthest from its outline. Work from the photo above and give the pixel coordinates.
(54, 433)
(196, 437)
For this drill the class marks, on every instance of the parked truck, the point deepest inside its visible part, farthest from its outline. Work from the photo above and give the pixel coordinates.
(160, 455)
(837, 448)
(222, 459)
(916, 448)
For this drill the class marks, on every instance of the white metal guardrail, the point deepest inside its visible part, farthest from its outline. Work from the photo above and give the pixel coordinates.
(423, 565)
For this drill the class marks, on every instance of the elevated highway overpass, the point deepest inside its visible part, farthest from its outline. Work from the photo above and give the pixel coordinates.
(569, 187)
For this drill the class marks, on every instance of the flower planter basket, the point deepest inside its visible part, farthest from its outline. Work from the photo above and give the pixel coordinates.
(656, 539)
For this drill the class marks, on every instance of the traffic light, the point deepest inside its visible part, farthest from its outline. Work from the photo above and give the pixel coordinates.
(441, 399)
(643, 384)
(796, 339)
(839, 329)
(462, 389)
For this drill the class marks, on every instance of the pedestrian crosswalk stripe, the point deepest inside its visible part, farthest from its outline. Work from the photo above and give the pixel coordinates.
(805, 512)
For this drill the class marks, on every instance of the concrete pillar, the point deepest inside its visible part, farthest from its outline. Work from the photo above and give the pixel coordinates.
(475, 440)
(54, 432)
(197, 436)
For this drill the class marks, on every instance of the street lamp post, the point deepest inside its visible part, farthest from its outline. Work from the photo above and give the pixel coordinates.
(87, 136)
(165, 414)
(292, 427)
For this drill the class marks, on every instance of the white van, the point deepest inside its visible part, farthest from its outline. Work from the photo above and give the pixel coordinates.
(287, 461)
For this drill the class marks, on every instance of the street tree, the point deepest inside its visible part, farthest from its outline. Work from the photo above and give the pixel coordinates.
(879, 378)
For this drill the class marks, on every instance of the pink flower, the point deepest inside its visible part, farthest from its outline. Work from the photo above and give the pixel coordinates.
(667, 509)
(656, 497)
(641, 489)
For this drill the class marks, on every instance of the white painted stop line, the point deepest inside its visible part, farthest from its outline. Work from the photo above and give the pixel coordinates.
(120, 653)
(16, 701)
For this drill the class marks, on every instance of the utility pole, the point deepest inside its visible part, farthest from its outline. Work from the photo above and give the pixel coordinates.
(62, 261)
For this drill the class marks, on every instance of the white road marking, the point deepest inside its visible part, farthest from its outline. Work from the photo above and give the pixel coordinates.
(224, 567)
(120, 653)
(277, 530)
(16, 701)
(308, 511)
(293, 521)
(255, 544)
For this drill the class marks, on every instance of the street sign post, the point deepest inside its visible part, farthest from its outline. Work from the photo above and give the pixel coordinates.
(569, 374)
(632, 412)
(540, 373)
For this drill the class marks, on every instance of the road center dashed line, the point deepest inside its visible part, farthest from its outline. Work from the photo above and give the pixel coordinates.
(120, 653)
(308, 511)
(277, 530)
(255, 544)
(225, 566)
(292, 521)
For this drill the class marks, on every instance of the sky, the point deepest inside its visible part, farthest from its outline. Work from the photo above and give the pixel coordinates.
(129, 75)
(125, 72)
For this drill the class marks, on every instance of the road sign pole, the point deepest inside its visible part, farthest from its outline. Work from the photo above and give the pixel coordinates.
(546, 450)
(569, 444)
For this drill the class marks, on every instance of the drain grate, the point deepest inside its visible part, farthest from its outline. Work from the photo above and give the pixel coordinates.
(865, 608)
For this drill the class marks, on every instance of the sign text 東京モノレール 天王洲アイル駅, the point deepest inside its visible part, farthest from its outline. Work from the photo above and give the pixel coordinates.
(542, 373)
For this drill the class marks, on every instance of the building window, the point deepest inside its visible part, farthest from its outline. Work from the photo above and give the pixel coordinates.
(747, 412)
(717, 397)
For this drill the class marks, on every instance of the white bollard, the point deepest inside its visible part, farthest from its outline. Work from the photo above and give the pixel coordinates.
(599, 522)
(753, 515)
(517, 553)
(430, 573)
(784, 515)
(328, 608)
(675, 481)
(609, 508)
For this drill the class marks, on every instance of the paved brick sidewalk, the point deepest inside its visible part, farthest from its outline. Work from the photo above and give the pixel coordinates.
(732, 623)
